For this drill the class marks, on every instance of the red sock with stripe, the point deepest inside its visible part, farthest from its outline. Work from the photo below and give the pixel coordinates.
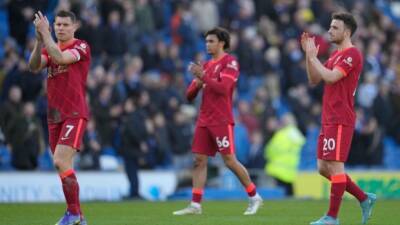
(355, 190)
(197, 195)
(71, 191)
(251, 190)
(338, 187)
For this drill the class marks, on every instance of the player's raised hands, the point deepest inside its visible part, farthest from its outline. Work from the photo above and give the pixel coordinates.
(311, 48)
(41, 23)
(303, 41)
(196, 69)
(37, 34)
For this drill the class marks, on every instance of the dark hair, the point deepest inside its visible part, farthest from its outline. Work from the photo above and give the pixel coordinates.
(69, 14)
(222, 35)
(347, 19)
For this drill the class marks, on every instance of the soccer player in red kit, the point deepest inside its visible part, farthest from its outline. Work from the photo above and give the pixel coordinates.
(214, 129)
(67, 63)
(340, 75)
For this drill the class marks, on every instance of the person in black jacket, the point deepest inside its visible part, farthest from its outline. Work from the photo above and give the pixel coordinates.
(26, 139)
(133, 144)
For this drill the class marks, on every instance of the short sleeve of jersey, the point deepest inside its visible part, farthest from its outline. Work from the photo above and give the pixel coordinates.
(349, 61)
(231, 69)
(81, 51)
(46, 55)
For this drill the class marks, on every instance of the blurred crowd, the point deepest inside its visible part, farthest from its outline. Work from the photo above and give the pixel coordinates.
(136, 85)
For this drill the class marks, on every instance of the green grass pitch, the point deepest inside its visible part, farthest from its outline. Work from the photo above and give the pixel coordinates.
(283, 212)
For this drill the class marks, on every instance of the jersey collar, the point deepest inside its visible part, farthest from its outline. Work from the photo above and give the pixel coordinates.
(213, 61)
(64, 45)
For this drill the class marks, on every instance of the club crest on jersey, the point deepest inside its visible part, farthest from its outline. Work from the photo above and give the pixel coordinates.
(81, 46)
(348, 61)
(233, 65)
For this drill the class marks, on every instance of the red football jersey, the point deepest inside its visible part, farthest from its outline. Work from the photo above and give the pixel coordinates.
(220, 77)
(66, 84)
(338, 98)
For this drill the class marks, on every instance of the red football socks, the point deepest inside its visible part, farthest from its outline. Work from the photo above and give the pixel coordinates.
(251, 190)
(353, 189)
(71, 191)
(338, 187)
(197, 195)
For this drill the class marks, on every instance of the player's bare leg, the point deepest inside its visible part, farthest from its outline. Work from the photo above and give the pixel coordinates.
(199, 173)
(255, 200)
(199, 177)
(63, 158)
(237, 168)
(63, 161)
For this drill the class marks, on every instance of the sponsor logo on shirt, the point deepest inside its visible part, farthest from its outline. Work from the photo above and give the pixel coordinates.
(58, 69)
(348, 61)
(233, 65)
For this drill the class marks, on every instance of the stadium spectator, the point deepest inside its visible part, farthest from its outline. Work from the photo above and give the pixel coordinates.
(26, 148)
(114, 41)
(10, 109)
(144, 17)
(256, 151)
(21, 13)
(164, 153)
(106, 112)
(180, 131)
(205, 13)
(367, 144)
(90, 31)
(91, 150)
(282, 153)
(133, 144)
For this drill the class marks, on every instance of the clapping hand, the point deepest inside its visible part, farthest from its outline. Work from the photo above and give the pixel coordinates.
(196, 69)
(304, 37)
(308, 45)
(42, 25)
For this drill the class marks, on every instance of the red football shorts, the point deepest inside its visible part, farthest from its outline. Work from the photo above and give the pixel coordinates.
(210, 140)
(69, 132)
(334, 142)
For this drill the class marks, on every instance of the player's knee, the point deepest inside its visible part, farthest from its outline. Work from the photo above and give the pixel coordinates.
(323, 172)
(58, 164)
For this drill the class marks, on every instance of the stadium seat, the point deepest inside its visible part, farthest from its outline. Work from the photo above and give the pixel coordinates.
(5, 158)
(45, 160)
(308, 159)
(391, 154)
